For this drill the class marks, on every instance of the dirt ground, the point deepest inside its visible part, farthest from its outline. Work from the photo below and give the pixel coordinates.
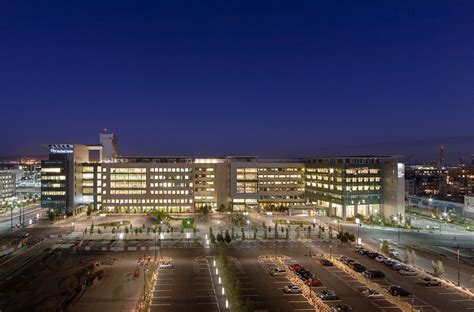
(52, 282)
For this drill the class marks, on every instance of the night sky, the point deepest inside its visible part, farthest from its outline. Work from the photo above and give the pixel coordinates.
(291, 78)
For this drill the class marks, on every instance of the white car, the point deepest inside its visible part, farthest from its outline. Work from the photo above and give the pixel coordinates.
(292, 289)
(372, 294)
(278, 272)
(394, 253)
(380, 258)
(431, 281)
(166, 265)
(408, 272)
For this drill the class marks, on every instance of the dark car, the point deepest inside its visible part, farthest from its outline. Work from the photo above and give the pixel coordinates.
(372, 254)
(398, 291)
(358, 267)
(373, 274)
(350, 261)
(342, 308)
(326, 262)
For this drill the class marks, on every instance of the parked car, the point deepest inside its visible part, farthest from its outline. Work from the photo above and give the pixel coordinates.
(326, 262)
(380, 258)
(389, 262)
(342, 308)
(342, 258)
(431, 281)
(328, 295)
(363, 251)
(372, 254)
(295, 267)
(292, 289)
(358, 267)
(408, 272)
(350, 261)
(372, 294)
(278, 272)
(400, 266)
(394, 253)
(373, 274)
(399, 291)
(313, 282)
(166, 265)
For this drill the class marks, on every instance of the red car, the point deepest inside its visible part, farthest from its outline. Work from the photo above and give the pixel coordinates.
(313, 282)
(295, 267)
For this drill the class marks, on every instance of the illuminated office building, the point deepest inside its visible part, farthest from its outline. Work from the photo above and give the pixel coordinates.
(72, 178)
(350, 186)
(7, 185)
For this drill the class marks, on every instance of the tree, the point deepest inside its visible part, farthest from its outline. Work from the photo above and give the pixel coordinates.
(255, 233)
(51, 215)
(243, 233)
(220, 238)
(264, 225)
(126, 230)
(194, 231)
(98, 231)
(212, 238)
(221, 208)
(438, 268)
(385, 247)
(276, 231)
(227, 237)
(205, 210)
(309, 232)
(140, 230)
(265, 235)
(148, 230)
(287, 233)
(113, 230)
(85, 231)
(297, 232)
(410, 256)
(89, 210)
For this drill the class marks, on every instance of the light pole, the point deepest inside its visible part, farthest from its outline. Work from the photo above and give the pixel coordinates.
(248, 222)
(155, 241)
(358, 227)
(459, 268)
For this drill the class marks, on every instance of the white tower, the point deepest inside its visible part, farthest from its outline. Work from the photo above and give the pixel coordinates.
(109, 143)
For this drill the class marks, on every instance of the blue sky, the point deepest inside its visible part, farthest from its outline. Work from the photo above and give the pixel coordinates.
(277, 78)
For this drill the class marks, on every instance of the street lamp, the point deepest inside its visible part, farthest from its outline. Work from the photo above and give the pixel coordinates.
(459, 268)
(248, 222)
(358, 227)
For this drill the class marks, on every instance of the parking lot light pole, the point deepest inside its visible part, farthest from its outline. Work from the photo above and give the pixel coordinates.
(358, 227)
(155, 241)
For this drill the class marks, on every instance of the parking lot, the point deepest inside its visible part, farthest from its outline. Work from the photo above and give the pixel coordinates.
(424, 298)
(186, 287)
